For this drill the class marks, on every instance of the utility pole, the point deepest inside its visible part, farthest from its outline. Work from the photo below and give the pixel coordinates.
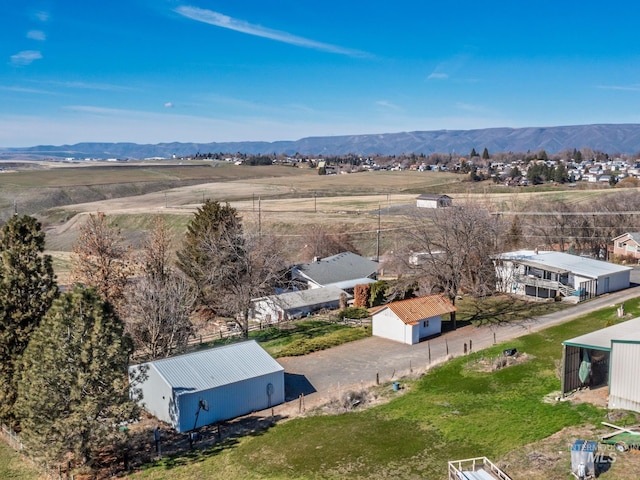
(378, 237)
(259, 216)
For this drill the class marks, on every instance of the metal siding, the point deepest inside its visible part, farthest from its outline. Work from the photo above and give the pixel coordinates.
(572, 359)
(624, 380)
(156, 396)
(619, 281)
(230, 401)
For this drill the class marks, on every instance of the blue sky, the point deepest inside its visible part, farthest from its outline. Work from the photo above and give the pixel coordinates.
(150, 71)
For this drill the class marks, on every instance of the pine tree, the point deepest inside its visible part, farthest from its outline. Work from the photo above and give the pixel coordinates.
(27, 289)
(74, 390)
(485, 154)
(228, 269)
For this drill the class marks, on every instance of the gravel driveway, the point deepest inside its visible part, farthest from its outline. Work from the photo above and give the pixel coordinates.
(324, 375)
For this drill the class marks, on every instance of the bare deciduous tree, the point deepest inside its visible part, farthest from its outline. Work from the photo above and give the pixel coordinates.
(160, 301)
(457, 245)
(101, 259)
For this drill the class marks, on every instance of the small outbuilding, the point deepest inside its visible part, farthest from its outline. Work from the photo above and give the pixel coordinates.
(409, 321)
(291, 305)
(606, 357)
(433, 200)
(196, 389)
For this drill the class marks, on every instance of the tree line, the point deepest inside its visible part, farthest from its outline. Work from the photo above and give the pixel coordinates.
(64, 355)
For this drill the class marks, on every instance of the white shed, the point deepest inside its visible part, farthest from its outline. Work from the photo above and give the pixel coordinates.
(409, 321)
(196, 389)
(431, 200)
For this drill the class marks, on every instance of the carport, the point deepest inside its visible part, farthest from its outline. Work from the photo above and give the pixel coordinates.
(586, 359)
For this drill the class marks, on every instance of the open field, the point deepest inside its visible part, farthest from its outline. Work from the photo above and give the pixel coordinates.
(278, 200)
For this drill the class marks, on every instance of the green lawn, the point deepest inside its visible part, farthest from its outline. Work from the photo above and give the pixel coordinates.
(12, 466)
(455, 411)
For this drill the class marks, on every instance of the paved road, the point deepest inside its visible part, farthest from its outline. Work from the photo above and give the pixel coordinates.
(324, 375)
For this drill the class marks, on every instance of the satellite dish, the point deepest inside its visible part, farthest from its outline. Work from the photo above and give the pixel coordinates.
(270, 389)
(204, 405)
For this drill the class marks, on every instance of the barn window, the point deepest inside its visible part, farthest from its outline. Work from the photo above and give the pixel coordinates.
(425, 323)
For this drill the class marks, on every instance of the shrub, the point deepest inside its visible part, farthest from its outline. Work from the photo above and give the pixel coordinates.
(353, 312)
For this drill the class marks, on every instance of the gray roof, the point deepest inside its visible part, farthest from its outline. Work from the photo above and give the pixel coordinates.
(635, 236)
(558, 261)
(338, 268)
(215, 367)
(601, 339)
(305, 298)
(432, 196)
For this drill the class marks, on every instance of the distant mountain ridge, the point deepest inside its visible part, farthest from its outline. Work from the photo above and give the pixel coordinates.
(609, 138)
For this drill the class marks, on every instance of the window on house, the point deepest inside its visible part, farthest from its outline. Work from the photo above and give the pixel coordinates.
(425, 323)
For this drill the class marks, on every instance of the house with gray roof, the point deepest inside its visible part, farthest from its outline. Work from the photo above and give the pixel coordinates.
(197, 389)
(345, 269)
(291, 305)
(627, 245)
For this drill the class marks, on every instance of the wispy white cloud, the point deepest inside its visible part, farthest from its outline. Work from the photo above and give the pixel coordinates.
(224, 21)
(469, 107)
(388, 105)
(627, 88)
(42, 15)
(168, 105)
(36, 35)
(25, 90)
(107, 87)
(26, 57)
(438, 76)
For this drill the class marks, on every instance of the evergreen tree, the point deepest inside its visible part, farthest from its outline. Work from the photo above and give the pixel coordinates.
(74, 390)
(485, 154)
(228, 269)
(473, 153)
(27, 289)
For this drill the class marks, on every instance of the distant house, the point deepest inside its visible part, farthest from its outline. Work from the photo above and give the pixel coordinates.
(547, 274)
(627, 245)
(208, 386)
(431, 200)
(291, 305)
(344, 270)
(409, 321)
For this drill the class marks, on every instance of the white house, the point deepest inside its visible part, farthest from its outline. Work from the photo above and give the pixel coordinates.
(548, 274)
(196, 389)
(433, 200)
(409, 321)
(290, 305)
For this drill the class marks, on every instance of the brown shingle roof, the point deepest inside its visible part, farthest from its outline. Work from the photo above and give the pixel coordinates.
(413, 310)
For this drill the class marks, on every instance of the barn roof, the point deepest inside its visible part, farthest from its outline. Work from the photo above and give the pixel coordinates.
(601, 339)
(564, 262)
(338, 268)
(432, 196)
(413, 310)
(215, 367)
